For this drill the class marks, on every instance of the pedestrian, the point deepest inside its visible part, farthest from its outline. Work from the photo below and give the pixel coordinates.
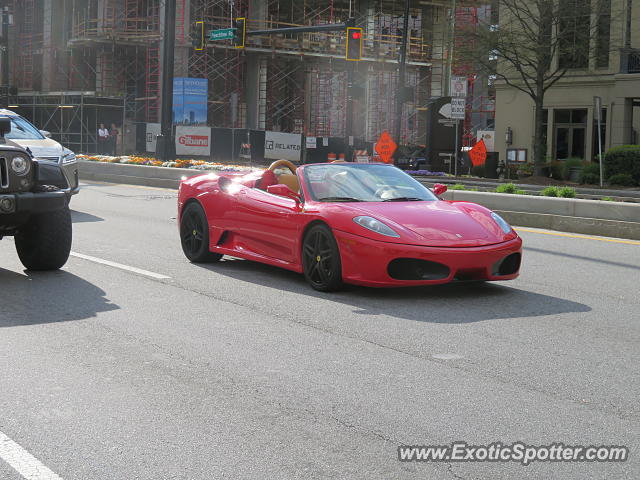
(113, 138)
(103, 139)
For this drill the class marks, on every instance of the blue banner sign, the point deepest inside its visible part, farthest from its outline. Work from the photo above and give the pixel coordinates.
(190, 101)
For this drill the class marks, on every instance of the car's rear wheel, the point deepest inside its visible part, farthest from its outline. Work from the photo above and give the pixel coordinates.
(321, 259)
(45, 242)
(194, 235)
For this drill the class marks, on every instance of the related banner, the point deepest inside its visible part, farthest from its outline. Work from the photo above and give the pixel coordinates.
(279, 145)
(153, 130)
(190, 101)
(193, 141)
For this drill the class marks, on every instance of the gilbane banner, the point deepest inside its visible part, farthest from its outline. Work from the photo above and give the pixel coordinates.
(279, 145)
(193, 141)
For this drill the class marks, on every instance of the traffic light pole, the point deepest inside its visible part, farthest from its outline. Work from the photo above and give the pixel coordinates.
(348, 147)
(5, 56)
(165, 144)
(334, 27)
(400, 99)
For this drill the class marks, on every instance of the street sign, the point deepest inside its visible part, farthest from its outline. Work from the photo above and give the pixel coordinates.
(458, 108)
(386, 147)
(311, 142)
(459, 87)
(222, 34)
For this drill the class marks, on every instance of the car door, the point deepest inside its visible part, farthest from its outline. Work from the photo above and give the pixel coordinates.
(267, 224)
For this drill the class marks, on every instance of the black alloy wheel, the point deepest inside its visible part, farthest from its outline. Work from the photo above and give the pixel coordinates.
(194, 235)
(321, 259)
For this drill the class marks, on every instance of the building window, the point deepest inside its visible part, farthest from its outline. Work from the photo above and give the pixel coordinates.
(603, 34)
(570, 128)
(574, 34)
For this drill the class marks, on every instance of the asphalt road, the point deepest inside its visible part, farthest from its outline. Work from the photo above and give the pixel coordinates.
(239, 370)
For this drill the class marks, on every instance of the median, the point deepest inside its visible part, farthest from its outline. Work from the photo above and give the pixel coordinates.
(590, 217)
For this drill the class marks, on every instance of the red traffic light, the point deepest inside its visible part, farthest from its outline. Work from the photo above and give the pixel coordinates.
(354, 43)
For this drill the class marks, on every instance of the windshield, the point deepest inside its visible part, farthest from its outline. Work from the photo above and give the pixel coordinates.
(21, 129)
(353, 182)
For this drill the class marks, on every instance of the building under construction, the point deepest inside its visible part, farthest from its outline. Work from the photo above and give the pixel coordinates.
(77, 63)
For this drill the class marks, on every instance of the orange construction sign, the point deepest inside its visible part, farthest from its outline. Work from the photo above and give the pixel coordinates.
(478, 154)
(386, 147)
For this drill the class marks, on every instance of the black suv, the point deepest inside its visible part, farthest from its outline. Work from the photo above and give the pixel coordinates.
(32, 210)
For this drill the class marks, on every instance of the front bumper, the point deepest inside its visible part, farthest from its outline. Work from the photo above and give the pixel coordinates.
(71, 174)
(366, 262)
(18, 205)
(49, 175)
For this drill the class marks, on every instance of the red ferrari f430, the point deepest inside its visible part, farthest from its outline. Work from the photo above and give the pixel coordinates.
(364, 224)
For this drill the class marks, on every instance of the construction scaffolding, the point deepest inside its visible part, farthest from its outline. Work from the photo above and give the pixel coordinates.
(480, 111)
(291, 83)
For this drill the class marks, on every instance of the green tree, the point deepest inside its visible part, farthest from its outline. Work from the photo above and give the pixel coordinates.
(535, 44)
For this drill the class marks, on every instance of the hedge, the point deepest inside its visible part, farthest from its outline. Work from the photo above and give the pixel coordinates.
(624, 159)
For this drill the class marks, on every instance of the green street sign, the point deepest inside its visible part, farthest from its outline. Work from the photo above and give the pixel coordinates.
(223, 34)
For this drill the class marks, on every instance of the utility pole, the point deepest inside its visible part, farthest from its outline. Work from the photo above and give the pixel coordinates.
(451, 49)
(402, 72)
(5, 56)
(166, 144)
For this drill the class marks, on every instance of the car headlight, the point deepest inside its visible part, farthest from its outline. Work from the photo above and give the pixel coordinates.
(69, 158)
(375, 225)
(506, 228)
(20, 165)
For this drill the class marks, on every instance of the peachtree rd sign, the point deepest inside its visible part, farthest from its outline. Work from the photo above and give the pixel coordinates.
(223, 34)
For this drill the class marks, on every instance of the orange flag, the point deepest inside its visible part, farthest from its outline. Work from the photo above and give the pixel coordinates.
(478, 154)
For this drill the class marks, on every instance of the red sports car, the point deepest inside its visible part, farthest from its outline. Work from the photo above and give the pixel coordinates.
(364, 224)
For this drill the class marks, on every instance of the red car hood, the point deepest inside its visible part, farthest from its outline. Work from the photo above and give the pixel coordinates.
(437, 223)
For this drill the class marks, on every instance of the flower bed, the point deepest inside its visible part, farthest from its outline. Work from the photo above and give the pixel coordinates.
(427, 173)
(179, 163)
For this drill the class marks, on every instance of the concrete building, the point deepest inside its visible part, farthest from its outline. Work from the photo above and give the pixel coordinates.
(611, 71)
(77, 63)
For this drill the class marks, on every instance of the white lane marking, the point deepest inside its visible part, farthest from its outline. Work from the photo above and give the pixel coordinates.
(23, 462)
(127, 268)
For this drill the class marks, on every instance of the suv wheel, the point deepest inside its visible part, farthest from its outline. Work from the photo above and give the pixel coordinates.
(44, 243)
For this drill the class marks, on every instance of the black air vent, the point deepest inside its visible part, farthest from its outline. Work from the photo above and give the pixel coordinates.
(416, 269)
(507, 266)
(4, 173)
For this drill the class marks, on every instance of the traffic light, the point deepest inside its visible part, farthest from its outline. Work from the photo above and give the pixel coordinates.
(240, 33)
(197, 36)
(354, 43)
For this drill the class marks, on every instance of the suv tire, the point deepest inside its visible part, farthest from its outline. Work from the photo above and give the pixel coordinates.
(45, 242)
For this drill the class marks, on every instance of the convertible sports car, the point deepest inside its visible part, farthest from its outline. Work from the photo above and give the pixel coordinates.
(364, 224)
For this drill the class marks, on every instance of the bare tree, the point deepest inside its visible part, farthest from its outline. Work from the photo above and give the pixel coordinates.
(535, 44)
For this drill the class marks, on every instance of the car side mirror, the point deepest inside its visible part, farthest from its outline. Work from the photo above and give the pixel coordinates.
(45, 133)
(283, 191)
(5, 126)
(439, 189)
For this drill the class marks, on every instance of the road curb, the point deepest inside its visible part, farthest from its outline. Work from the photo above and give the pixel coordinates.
(589, 217)
(586, 226)
(159, 177)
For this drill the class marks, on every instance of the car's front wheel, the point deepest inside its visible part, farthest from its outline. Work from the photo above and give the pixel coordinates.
(194, 235)
(321, 259)
(45, 242)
